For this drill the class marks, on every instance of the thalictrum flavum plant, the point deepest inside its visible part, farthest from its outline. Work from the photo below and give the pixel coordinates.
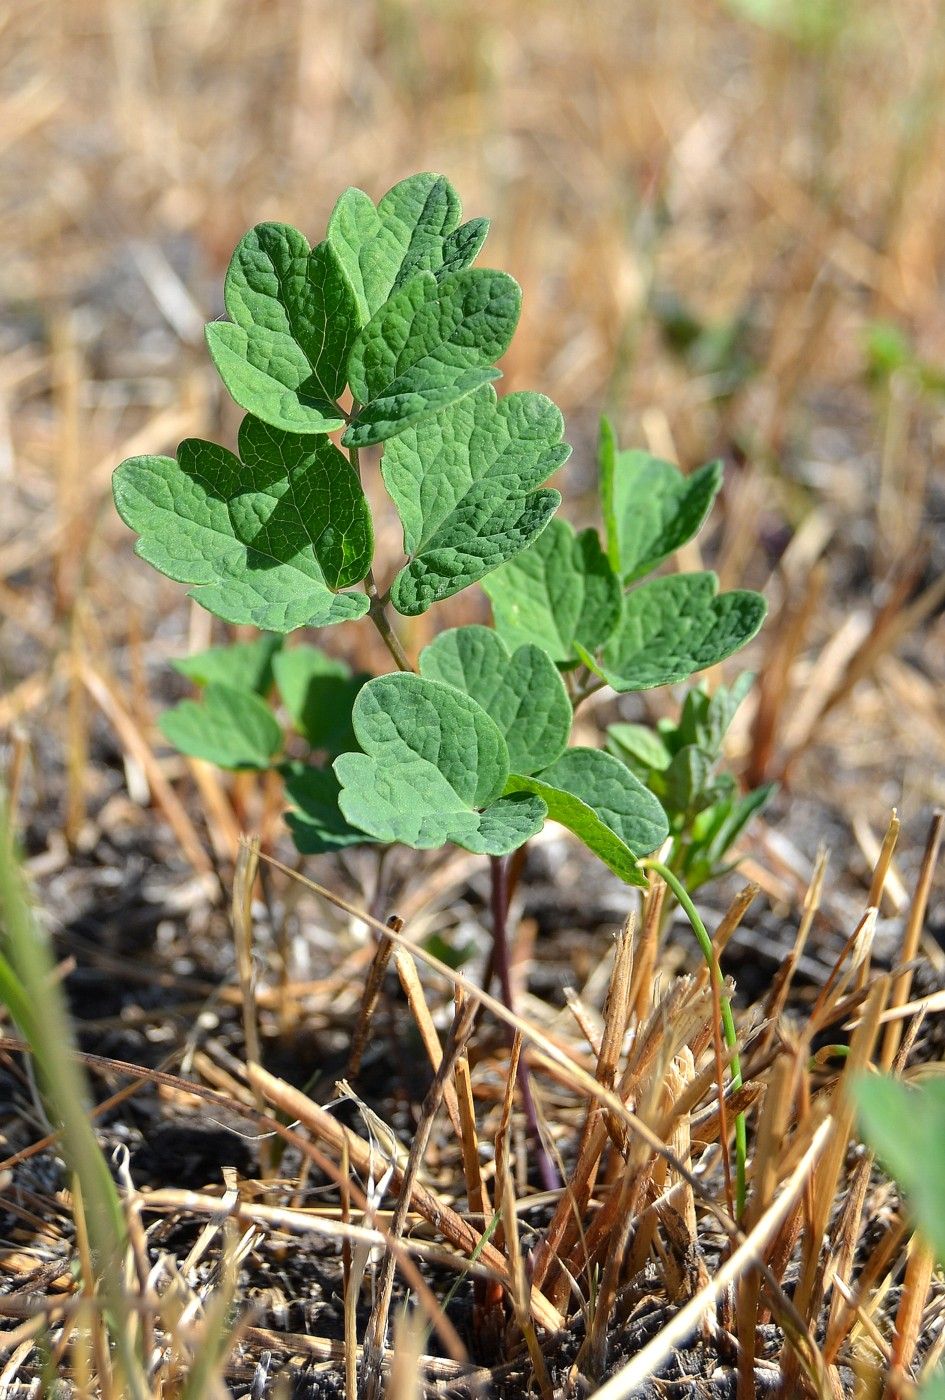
(384, 336)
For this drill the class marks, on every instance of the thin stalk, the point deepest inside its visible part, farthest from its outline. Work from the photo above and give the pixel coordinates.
(379, 617)
(378, 608)
(583, 690)
(502, 967)
(728, 1020)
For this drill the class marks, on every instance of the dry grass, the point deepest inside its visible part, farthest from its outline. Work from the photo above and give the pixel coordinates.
(635, 158)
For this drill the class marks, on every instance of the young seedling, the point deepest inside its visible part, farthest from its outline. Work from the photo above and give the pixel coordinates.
(385, 336)
(679, 762)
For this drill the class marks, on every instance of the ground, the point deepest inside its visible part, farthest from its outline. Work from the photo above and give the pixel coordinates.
(716, 221)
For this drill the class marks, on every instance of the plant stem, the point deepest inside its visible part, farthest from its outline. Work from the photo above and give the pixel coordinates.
(378, 615)
(378, 609)
(583, 690)
(502, 966)
(728, 1020)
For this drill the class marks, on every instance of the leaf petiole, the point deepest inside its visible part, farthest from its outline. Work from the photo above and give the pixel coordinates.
(378, 611)
(585, 689)
(728, 1021)
(378, 616)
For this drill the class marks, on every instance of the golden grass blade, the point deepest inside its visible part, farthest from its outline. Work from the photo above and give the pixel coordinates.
(647, 1362)
(902, 985)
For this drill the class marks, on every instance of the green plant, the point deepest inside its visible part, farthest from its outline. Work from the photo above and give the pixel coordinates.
(679, 762)
(888, 351)
(115, 1298)
(719, 352)
(31, 992)
(472, 747)
(811, 24)
(905, 1126)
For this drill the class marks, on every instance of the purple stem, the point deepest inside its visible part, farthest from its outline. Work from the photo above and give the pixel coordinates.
(501, 965)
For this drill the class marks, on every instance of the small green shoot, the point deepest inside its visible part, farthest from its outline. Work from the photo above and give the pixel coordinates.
(680, 764)
(385, 334)
(31, 992)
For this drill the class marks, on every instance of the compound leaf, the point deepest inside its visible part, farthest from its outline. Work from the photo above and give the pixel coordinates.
(558, 593)
(433, 770)
(431, 344)
(597, 798)
(244, 664)
(414, 228)
(315, 820)
(283, 355)
(464, 483)
(267, 539)
(674, 626)
(319, 693)
(228, 726)
(522, 691)
(650, 508)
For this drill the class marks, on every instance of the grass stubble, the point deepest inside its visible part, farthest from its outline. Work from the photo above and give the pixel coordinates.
(797, 193)
(642, 1126)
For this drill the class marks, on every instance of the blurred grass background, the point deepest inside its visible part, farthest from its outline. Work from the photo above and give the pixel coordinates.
(728, 218)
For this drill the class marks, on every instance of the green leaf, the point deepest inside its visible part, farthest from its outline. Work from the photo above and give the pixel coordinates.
(934, 1387)
(267, 539)
(414, 228)
(705, 718)
(16, 999)
(640, 747)
(558, 593)
(461, 247)
(454, 956)
(284, 353)
(433, 770)
(687, 780)
(229, 726)
(888, 350)
(906, 1128)
(319, 693)
(244, 664)
(431, 344)
(650, 508)
(606, 469)
(464, 483)
(674, 626)
(523, 692)
(716, 829)
(316, 822)
(596, 797)
(812, 24)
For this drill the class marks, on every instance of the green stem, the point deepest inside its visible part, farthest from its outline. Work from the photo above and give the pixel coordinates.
(378, 615)
(378, 609)
(584, 689)
(728, 1020)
